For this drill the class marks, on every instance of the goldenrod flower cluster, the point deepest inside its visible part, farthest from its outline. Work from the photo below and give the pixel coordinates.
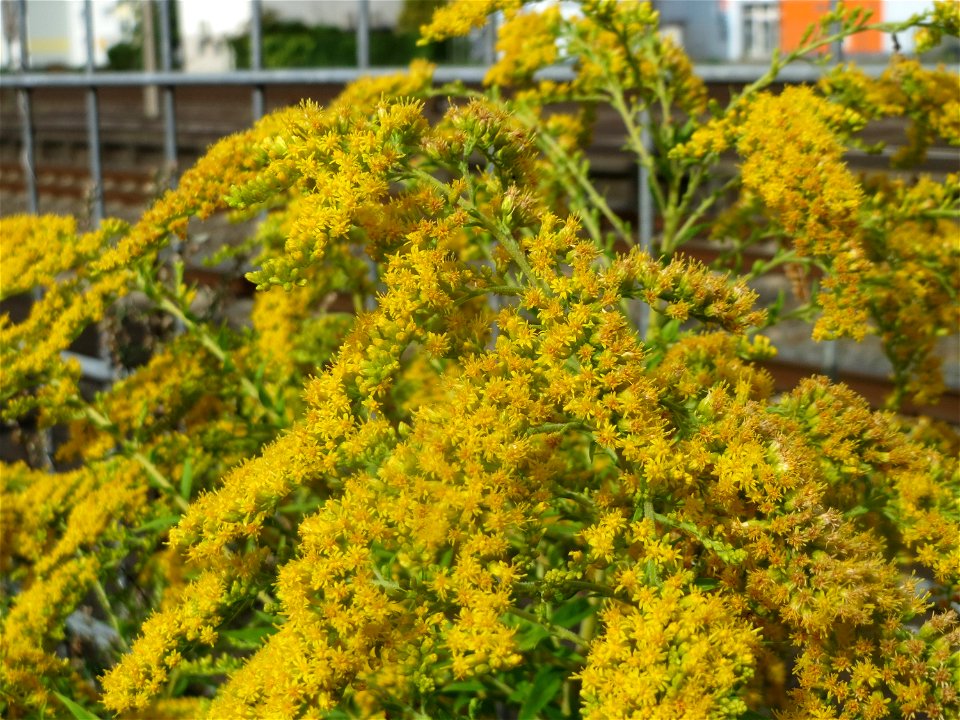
(946, 21)
(888, 247)
(929, 98)
(443, 473)
(678, 653)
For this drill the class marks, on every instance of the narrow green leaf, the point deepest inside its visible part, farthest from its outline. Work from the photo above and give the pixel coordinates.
(531, 637)
(691, 232)
(546, 685)
(78, 712)
(572, 613)
(178, 268)
(263, 396)
(248, 638)
(670, 331)
(186, 480)
(161, 523)
(465, 686)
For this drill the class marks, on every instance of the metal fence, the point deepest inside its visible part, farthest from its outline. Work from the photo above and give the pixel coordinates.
(24, 80)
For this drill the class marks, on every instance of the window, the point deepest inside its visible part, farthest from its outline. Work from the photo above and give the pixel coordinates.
(761, 30)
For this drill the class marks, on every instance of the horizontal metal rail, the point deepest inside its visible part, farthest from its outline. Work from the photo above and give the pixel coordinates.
(720, 73)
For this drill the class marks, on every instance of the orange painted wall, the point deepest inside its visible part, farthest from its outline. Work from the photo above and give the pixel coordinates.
(797, 15)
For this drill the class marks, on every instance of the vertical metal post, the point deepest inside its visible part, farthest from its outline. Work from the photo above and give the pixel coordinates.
(830, 362)
(363, 34)
(169, 113)
(93, 122)
(490, 40)
(837, 49)
(94, 149)
(151, 102)
(644, 215)
(256, 54)
(25, 106)
(169, 127)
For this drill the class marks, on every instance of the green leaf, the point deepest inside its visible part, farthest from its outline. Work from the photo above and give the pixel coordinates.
(531, 637)
(186, 480)
(161, 523)
(142, 415)
(77, 711)
(263, 396)
(670, 331)
(572, 613)
(472, 686)
(299, 507)
(248, 638)
(707, 583)
(546, 685)
(178, 268)
(267, 618)
(691, 232)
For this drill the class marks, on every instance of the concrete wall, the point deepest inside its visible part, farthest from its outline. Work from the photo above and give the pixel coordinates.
(700, 23)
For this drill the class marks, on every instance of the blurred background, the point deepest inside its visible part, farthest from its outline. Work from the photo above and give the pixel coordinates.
(214, 35)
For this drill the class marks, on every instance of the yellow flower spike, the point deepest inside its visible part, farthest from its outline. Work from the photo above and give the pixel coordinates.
(32, 627)
(679, 656)
(526, 43)
(143, 671)
(462, 16)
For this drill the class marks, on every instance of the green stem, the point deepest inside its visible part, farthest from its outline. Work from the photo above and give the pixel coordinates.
(944, 213)
(779, 63)
(210, 343)
(579, 498)
(533, 589)
(159, 480)
(491, 290)
(103, 423)
(108, 611)
(99, 420)
(557, 153)
(556, 427)
(556, 630)
(500, 685)
(781, 258)
(706, 204)
(635, 142)
(503, 236)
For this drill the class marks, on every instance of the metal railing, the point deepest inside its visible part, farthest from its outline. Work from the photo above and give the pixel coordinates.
(257, 79)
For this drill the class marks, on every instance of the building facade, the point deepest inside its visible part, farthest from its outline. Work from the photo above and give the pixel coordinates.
(56, 32)
(710, 30)
(750, 30)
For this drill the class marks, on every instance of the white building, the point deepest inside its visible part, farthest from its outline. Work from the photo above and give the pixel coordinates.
(57, 32)
(56, 28)
(205, 25)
